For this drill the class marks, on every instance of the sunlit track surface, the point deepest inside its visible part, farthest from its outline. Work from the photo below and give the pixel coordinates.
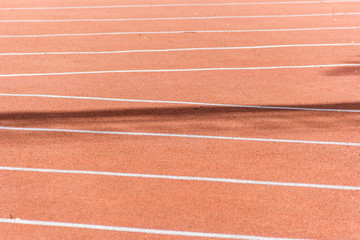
(179, 18)
(187, 4)
(151, 119)
(179, 32)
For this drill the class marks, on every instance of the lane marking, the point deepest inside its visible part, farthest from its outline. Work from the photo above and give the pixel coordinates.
(184, 5)
(178, 32)
(183, 178)
(178, 70)
(184, 49)
(177, 102)
(178, 135)
(174, 18)
(140, 230)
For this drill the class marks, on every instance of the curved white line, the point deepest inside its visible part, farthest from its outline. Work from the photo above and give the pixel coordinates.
(177, 102)
(183, 5)
(174, 18)
(184, 178)
(179, 32)
(178, 70)
(179, 136)
(184, 49)
(139, 230)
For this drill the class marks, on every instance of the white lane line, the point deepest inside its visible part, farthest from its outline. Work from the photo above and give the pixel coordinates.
(184, 49)
(179, 136)
(178, 70)
(177, 102)
(183, 178)
(178, 32)
(140, 230)
(174, 18)
(184, 5)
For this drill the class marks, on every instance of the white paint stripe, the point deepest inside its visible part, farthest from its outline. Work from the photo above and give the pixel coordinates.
(140, 230)
(177, 70)
(184, 49)
(184, 178)
(174, 18)
(177, 102)
(179, 32)
(183, 5)
(179, 135)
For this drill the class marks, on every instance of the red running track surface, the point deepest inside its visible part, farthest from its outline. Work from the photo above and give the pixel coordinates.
(185, 183)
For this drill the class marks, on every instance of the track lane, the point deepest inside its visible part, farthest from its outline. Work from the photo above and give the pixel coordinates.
(277, 166)
(184, 11)
(289, 87)
(180, 18)
(180, 25)
(336, 107)
(40, 4)
(258, 161)
(181, 60)
(66, 3)
(258, 206)
(159, 41)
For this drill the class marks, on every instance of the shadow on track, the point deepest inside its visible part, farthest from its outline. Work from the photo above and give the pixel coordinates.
(187, 115)
(170, 112)
(343, 71)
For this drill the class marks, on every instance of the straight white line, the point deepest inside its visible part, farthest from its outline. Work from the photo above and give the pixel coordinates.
(184, 49)
(178, 135)
(177, 102)
(140, 230)
(183, 5)
(177, 70)
(183, 178)
(179, 32)
(174, 18)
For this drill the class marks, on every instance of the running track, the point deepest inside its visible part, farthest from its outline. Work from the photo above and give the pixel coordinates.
(154, 119)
